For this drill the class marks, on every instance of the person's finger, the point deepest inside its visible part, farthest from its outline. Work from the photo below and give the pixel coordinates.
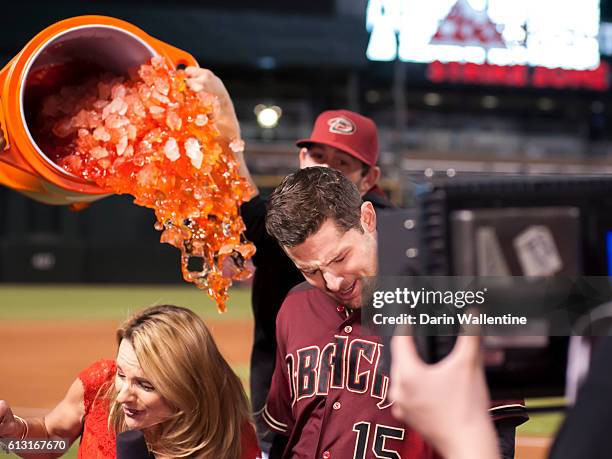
(193, 70)
(201, 75)
(398, 412)
(195, 86)
(206, 80)
(196, 78)
(4, 408)
(467, 349)
(472, 328)
(396, 394)
(5, 417)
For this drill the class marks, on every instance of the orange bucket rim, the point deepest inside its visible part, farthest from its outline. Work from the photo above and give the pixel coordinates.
(40, 49)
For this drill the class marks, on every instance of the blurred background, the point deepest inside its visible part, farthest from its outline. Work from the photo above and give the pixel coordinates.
(457, 87)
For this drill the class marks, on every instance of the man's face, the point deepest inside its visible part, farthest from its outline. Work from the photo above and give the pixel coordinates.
(340, 263)
(326, 156)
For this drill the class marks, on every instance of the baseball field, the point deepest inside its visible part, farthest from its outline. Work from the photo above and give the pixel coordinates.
(48, 333)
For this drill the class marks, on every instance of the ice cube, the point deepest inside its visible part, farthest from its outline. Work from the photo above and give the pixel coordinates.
(201, 120)
(122, 145)
(144, 92)
(64, 128)
(73, 162)
(171, 149)
(156, 110)
(148, 175)
(115, 121)
(194, 152)
(104, 163)
(237, 145)
(98, 152)
(101, 134)
(173, 121)
(80, 120)
(132, 132)
(123, 108)
(118, 91)
(162, 86)
(157, 62)
(139, 109)
(159, 97)
(117, 105)
(94, 120)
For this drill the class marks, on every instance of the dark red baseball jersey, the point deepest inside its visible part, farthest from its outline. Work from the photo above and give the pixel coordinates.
(328, 392)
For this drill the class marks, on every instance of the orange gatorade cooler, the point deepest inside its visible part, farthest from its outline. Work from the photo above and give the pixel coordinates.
(66, 53)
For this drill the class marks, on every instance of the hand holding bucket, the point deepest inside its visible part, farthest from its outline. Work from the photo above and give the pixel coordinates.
(61, 54)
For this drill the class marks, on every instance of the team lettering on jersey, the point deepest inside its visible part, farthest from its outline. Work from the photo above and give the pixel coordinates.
(341, 364)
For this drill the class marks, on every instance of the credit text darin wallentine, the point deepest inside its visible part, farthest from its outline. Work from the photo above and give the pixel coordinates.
(445, 319)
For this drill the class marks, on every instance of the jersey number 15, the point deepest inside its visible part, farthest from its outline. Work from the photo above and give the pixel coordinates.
(381, 433)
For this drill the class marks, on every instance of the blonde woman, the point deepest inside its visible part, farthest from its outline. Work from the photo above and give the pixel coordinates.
(168, 380)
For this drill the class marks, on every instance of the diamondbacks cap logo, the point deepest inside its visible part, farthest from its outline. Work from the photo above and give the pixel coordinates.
(341, 125)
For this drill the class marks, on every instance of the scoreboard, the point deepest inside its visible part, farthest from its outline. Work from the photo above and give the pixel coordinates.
(521, 43)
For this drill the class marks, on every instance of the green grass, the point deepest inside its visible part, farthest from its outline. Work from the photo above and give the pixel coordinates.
(72, 452)
(544, 424)
(541, 425)
(111, 302)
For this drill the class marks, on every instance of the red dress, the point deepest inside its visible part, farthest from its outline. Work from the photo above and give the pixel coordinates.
(97, 440)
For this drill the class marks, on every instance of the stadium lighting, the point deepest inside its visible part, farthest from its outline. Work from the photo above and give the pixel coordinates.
(268, 116)
(545, 104)
(489, 102)
(432, 99)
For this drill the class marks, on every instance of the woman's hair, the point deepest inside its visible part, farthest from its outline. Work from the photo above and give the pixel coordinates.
(179, 356)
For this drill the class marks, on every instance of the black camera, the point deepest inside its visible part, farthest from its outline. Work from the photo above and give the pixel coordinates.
(535, 238)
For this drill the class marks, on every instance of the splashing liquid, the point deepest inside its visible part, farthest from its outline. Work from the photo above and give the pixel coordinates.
(152, 137)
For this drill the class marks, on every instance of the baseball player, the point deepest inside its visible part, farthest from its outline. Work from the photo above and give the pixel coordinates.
(329, 391)
(340, 139)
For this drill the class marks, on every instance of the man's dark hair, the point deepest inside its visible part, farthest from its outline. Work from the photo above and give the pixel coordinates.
(304, 200)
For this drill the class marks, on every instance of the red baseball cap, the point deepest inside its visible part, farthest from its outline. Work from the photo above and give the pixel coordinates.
(347, 131)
